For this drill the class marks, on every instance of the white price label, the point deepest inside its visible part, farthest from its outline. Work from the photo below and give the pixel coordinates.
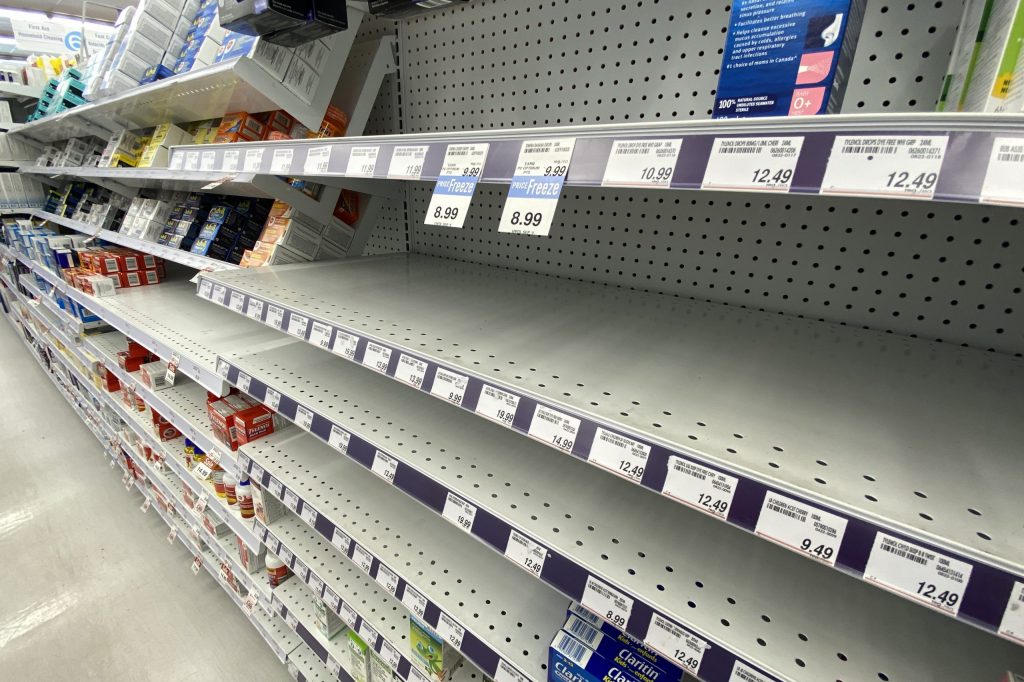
(349, 615)
(344, 344)
(410, 370)
(497, 405)
(460, 512)
(752, 163)
(449, 386)
(333, 667)
(681, 646)
(206, 289)
(368, 634)
(197, 563)
(385, 466)
(207, 160)
(450, 629)
(377, 357)
(243, 382)
(230, 160)
(1012, 625)
(145, 505)
(362, 161)
(706, 489)
(276, 487)
(317, 160)
(320, 335)
(1002, 183)
(303, 417)
(177, 161)
(903, 166)
(536, 186)
(415, 601)
(363, 559)
(801, 527)
(191, 160)
(281, 161)
(554, 428)
(254, 309)
(390, 655)
(172, 369)
(219, 292)
(253, 160)
(272, 543)
(297, 325)
(641, 163)
(921, 574)
(172, 536)
(407, 162)
(525, 552)
(341, 540)
(624, 456)
(301, 570)
(251, 600)
(741, 672)
(292, 621)
(257, 473)
(286, 555)
(309, 514)
(331, 599)
(339, 438)
(507, 673)
(237, 301)
(214, 455)
(272, 399)
(316, 583)
(291, 500)
(202, 472)
(223, 368)
(275, 317)
(387, 578)
(607, 602)
(456, 184)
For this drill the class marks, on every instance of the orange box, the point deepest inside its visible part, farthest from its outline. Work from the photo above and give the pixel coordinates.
(256, 422)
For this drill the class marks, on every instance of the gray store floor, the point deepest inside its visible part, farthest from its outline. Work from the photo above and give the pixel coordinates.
(90, 588)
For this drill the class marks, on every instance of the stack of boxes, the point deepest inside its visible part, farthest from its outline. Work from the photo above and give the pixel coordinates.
(238, 419)
(123, 149)
(100, 271)
(60, 94)
(157, 152)
(230, 229)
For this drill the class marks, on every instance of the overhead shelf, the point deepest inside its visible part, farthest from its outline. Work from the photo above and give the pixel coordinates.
(19, 91)
(719, 408)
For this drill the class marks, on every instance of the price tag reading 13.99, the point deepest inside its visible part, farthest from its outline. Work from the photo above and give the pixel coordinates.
(536, 186)
(641, 163)
(885, 166)
(456, 184)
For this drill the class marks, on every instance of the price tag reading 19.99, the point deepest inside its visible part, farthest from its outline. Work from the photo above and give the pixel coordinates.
(456, 184)
(904, 166)
(641, 163)
(536, 186)
(459, 511)
(752, 163)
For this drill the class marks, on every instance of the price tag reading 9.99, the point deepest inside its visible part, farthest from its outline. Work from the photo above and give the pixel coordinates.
(536, 186)
(885, 166)
(456, 184)
(641, 163)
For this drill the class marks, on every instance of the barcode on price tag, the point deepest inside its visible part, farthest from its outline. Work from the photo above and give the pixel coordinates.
(607, 602)
(281, 161)
(641, 163)
(206, 160)
(272, 399)
(317, 160)
(1012, 625)
(459, 511)
(303, 417)
(456, 184)
(624, 456)
(904, 166)
(257, 473)
(449, 386)
(237, 301)
(253, 160)
(377, 357)
(243, 381)
(368, 634)
(292, 620)
(219, 292)
(407, 162)
(1002, 183)
(297, 325)
(338, 438)
(254, 309)
(921, 574)
(362, 161)
(497, 405)
(706, 489)
(320, 335)
(536, 186)
(554, 428)
(414, 601)
(450, 629)
(741, 672)
(525, 552)
(331, 599)
(801, 527)
(680, 645)
(507, 673)
(410, 370)
(191, 160)
(385, 466)
(752, 163)
(344, 344)
(341, 540)
(363, 559)
(230, 160)
(387, 578)
(316, 583)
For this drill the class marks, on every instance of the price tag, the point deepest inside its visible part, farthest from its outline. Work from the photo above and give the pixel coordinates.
(641, 163)
(230, 160)
(316, 583)
(219, 292)
(286, 555)
(1012, 625)
(377, 357)
(341, 540)
(741, 672)
(202, 472)
(272, 399)
(410, 370)
(1005, 168)
(243, 382)
(251, 600)
(333, 667)
(903, 166)
(320, 335)
(206, 160)
(385, 466)
(525, 552)
(206, 288)
(124, 479)
(362, 161)
(303, 417)
(801, 527)
(145, 505)
(223, 368)
(254, 309)
(680, 645)
(301, 570)
(450, 629)
(338, 439)
(363, 559)
(197, 563)
(706, 489)
(387, 578)
(237, 301)
(309, 514)
(253, 160)
(449, 386)
(456, 184)
(554, 428)
(460, 512)
(414, 601)
(407, 162)
(921, 574)
(507, 673)
(292, 621)
(317, 160)
(281, 161)
(291, 500)
(497, 405)
(752, 163)
(368, 634)
(177, 161)
(536, 186)
(172, 369)
(257, 473)
(349, 615)
(344, 344)
(297, 325)
(619, 454)
(332, 600)
(607, 602)
(275, 317)
(276, 487)
(390, 655)
(172, 536)
(191, 161)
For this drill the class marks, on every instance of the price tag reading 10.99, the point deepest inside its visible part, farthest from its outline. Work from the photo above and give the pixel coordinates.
(641, 163)
(456, 184)
(536, 186)
(885, 166)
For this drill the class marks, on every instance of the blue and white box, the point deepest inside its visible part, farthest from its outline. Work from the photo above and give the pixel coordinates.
(623, 655)
(569, 660)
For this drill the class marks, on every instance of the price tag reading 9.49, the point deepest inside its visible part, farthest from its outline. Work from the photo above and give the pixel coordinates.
(536, 186)
(641, 163)
(752, 163)
(905, 167)
(456, 184)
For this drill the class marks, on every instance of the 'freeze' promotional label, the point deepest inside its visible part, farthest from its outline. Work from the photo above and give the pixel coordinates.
(921, 574)
(1005, 169)
(536, 186)
(752, 163)
(407, 162)
(905, 167)
(801, 527)
(362, 161)
(623, 456)
(554, 428)
(706, 489)
(641, 163)
(453, 193)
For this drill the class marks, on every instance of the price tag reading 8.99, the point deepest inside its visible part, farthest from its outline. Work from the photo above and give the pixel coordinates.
(641, 163)
(456, 184)
(607, 602)
(536, 186)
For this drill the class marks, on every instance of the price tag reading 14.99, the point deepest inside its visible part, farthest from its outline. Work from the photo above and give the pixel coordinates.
(536, 186)
(885, 166)
(456, 184)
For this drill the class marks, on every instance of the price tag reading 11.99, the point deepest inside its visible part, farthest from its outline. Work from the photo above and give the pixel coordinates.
(641, 163)
(536, 186)
(453, 193)
(885, 166)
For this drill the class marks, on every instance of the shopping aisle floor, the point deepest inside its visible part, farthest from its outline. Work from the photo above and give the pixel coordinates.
(91, 589)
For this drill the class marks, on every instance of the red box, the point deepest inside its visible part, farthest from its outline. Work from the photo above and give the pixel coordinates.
(110, 380)
(256, 422)
(222, 418)
(137, 351)
(130, 364)
(106, 263)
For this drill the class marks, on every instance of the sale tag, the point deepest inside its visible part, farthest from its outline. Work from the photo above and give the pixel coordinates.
(921, 574)
(752, 163)
(317, 160)
(281, 161)
(741, 672)
(456, 184)
(407, 162)
(450, 629)
(254, 309)
(641, 163)
(291, 500)
(497, 405)
(801, 527)
(362, 161)
(349, 615)
(230, 160)
(1002, 183)
(297, 325)
(410, 370)
(525, 552)
(900, 166)
(507, 673)
(172, 369)
(309, 514)
(303, 417)
(390, 655)
(377, 357)
(344, 344)
(341, 540)
(191, 161)
(607, 602)
(460, 512)
(272, 399)
(338, 439)
(206, 160)
(706, 489)
(275, 317)
(244, 381)
(363, 559)
(681, 646)
(1012, 625)
(414, 601)
(385, 466)
(253, 160)
(624, 456)
(236, 302)
(449, 386)
(536, 186)
(387, 578)
(554, 428)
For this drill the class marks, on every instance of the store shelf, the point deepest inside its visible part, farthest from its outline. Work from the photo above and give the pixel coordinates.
(733, 392)
(19, 91)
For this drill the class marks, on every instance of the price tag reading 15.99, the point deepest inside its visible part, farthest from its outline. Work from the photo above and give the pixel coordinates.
(456, 184)
(885, 166)
(536, 186)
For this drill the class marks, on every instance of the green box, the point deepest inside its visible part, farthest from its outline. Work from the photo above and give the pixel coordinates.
(359, 660)
(435, 656)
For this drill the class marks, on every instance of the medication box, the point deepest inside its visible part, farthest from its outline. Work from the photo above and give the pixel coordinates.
(435, 656)
(609, 630)
(622, 655)
(569, 660)
(997, 65)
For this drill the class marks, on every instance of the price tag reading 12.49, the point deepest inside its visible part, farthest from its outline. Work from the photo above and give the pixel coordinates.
(905, 166)
(919, 573)
(752, 163)
(641, 163)
(536, 186)
(453, 193)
